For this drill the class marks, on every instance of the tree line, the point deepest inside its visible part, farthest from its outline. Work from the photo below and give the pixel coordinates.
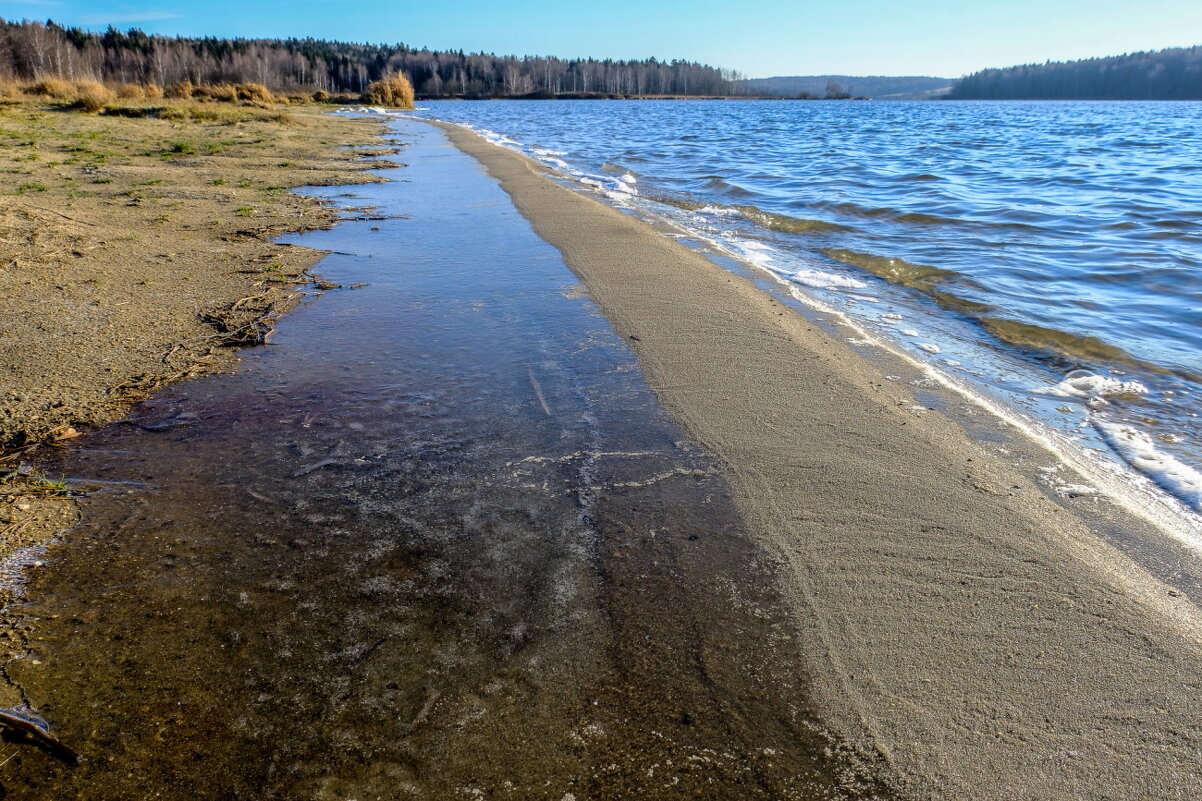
(1172, 74)
(31, 50)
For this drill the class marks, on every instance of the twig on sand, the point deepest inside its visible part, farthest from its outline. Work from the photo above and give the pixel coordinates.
(35, 735)
(60, 214)
(304, 471)
(424, 713)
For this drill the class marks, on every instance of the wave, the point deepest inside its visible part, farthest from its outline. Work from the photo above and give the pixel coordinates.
(1062, 343)
(896, 271)
(783, 222)
(1015, 333)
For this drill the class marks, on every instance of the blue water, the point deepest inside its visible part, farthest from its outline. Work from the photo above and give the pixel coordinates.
(1012, 244)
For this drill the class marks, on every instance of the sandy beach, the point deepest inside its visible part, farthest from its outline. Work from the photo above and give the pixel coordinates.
(463, 533)
(135, 253)
(959, 627)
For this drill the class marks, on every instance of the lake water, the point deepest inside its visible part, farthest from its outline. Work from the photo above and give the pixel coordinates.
(1044, 255)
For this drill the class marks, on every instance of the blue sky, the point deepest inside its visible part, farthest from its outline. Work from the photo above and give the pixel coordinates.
(772, 37)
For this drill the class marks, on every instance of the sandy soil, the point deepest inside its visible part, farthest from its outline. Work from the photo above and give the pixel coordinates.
(133, 252)
(960, 627)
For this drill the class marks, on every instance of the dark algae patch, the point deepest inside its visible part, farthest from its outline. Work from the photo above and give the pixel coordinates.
(1063, 346)
(438, 540)
(896, 271)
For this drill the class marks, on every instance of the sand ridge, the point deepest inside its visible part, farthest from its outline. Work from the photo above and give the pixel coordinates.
(957, 623)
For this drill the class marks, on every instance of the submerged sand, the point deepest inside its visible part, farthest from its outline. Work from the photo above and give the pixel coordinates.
(959, 627)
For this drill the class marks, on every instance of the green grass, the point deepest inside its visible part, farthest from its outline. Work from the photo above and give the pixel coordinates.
(25, 189)
(180, 149)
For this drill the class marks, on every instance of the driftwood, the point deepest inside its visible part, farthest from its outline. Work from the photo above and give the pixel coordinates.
(33, 734)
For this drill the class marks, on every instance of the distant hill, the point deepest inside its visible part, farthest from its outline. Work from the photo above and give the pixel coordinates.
(1173, 74)
(880, 87)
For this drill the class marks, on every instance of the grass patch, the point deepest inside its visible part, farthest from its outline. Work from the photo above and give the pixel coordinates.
(25, 189)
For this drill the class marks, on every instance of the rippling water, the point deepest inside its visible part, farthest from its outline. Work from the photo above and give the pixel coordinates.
(1013, 245)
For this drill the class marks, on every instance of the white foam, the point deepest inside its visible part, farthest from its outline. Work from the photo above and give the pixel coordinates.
(930, 347)
(1138, 450)
(822, 280)
(1084, 385)
(1062, 488)
(910, 332)
(756, 253)
(718, 211)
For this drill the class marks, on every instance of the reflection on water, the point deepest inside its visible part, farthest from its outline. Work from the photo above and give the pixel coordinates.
(438, 541)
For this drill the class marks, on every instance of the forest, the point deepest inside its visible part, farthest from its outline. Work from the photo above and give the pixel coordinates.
(1173, 74)
(30, 50)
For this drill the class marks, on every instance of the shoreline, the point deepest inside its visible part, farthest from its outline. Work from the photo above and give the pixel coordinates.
(500, 568)
(953, 612)
(139, 255)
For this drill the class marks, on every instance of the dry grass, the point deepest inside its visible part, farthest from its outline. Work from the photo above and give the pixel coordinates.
(130, 91)
(393, 90)
(53, 88)
(180, 91)
(94, 97)
(91, 96)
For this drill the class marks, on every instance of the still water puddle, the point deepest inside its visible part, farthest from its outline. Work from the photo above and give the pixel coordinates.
(437, 541)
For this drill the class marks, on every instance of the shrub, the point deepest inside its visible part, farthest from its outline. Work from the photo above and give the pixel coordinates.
(91, 96)
(51, 87)
(130, 91)
(153, 91)
(254, 92)
(391, 90)
(321, 96)
(92, 102)
(220, 92)
(181, 91)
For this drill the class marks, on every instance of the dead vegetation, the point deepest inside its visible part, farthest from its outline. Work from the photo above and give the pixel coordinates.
(392, 90)
(94, 97)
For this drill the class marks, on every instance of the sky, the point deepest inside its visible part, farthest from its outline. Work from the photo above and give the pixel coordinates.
(945, 38)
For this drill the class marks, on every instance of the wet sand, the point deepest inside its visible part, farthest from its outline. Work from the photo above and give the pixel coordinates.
(438, 540)
(956, 624)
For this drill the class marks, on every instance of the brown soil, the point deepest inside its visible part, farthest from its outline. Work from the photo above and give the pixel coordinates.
(134, 252)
